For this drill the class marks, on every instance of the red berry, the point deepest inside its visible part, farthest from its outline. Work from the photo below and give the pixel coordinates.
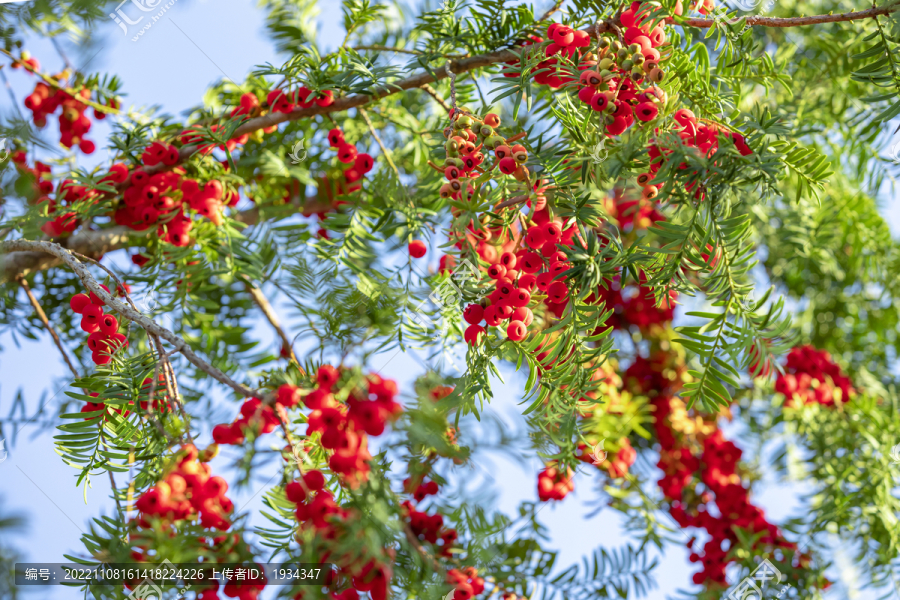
(347, 153)
(508, 260)
(516, 331)
(508, 165)
(109, 325)
(496, 271)
(335, 137)
(473, 334)
(78, 302)
(523, 314)
(535, 238)
(417, 248)
(473, 314)
(314, 480)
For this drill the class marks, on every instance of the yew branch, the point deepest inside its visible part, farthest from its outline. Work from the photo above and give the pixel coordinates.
(123, 309)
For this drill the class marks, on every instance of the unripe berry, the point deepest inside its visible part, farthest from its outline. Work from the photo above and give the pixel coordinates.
(519, 153)
(494, 142)
(649, 192)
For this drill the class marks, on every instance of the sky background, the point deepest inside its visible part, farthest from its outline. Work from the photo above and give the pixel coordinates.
(196, 43)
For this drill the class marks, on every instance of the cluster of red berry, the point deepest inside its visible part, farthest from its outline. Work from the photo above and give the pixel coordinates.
(717, 469)
(282, 102)
(346, 179)
(318, 513)
(74, 124)
(343, 427)
(104, 338)
(187, 492)
(635, 305)
(553, 484)
(812, 378)
(62, 223)
(255, 417)
(429, 528)
(632, 212)
(517, 275)
(466, 138)
(704, 137)
(161, 199)
(466, 583)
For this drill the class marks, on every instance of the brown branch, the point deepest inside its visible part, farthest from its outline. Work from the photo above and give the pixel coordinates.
(126, 311)
(270, 315)
(384, 151)
(512, 202)
(172, 385)
(433, 93)
(795, 21)
(43, 317)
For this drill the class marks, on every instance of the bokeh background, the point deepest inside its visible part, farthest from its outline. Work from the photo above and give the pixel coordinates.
(196, 43)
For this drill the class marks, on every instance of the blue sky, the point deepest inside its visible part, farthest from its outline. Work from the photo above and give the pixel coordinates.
(196, 43)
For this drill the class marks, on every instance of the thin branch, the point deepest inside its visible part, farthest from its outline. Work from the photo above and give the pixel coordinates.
(433, 93)
(56, 84)
(43, 317)
(172, 386)
(512, 202)
(123, 309)
(795, 21)
(384, 150)
(269, 312)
